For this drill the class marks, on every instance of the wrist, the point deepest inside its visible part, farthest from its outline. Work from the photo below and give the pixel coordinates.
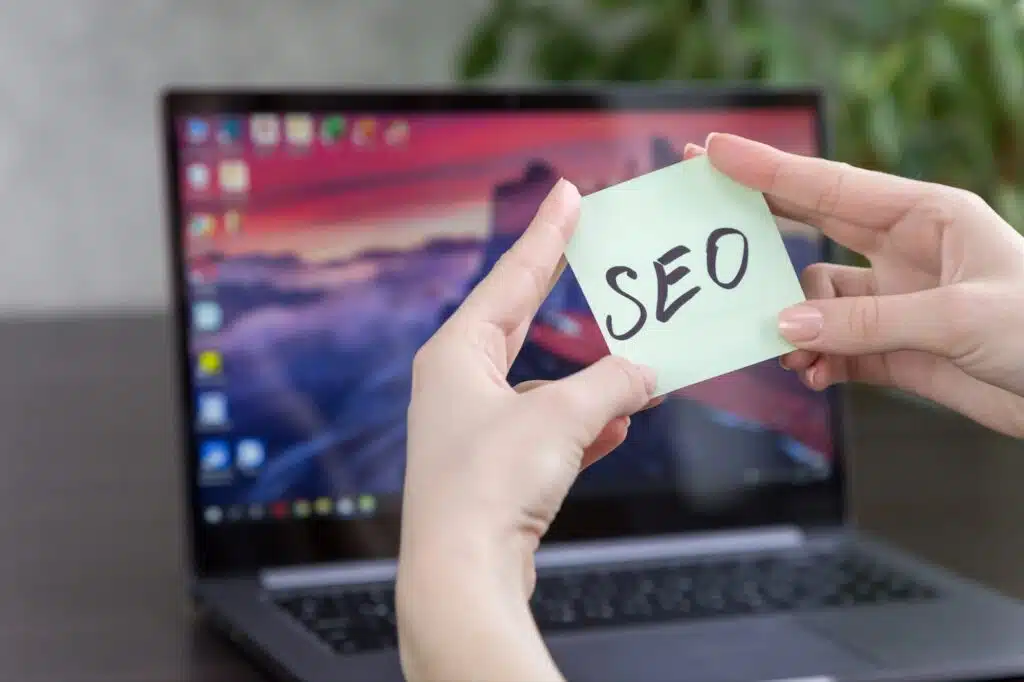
(463, 608)
(464, 552)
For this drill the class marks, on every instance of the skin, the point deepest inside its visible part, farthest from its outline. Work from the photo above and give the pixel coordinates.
(939, 312)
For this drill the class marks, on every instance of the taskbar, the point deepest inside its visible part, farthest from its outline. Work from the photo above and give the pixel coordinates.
(359, 506)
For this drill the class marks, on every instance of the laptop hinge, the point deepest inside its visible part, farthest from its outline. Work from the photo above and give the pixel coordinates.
(559, 556)
(348, 573)
(669, 547)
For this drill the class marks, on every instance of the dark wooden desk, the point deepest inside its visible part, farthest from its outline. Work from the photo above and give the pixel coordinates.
(91, 561)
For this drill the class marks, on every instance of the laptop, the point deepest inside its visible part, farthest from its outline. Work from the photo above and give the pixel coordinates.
(319, 237)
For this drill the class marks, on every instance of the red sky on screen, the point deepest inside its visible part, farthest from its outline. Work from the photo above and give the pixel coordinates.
(456, 160)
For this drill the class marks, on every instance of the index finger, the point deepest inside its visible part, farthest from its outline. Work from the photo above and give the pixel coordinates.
(513, 291)
(808, 188)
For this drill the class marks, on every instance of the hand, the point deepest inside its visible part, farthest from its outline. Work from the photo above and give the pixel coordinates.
(940, 310)
(489, 466)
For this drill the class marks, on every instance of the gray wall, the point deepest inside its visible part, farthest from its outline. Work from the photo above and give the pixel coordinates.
(80, 176)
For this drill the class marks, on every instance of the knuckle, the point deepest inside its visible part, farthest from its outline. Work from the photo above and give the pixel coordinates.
(631, 380)
(941, 210)
(946, 205)
(971, 201)
(864, 319)
(832, 194)
(626, 373)
(547, 228)
(814, 280)
(519, 266)
(777, 174)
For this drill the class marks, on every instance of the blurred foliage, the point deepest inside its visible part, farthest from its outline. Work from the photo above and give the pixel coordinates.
(932, 89)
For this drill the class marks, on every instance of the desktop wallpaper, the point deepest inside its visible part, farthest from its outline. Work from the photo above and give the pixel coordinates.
(323, 249)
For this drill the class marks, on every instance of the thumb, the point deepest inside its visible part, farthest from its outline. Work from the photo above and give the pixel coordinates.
(586, 401)
(858, 325)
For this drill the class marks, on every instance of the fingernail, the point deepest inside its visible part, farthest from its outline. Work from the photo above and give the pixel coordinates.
(783, 364)
(564, 190)
(801, 323)
(707, 140)
(628, 421)
(650, 378)
(692, 148)
(560, 203)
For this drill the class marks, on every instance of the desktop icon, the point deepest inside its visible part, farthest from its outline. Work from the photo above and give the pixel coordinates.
(250, 454)
(346, 506)
(202, 272)
(214, 456)
(264, 129)
(212, 409)
(363, 132)
(279, 510)
(332, 128)
(198, 176)
(213, 515)
(323, 506)
(197, 130)
(201, 225)
(233, 176)
(397, 133)
(229, 130)
(210, 363)
(235, 512)
(207, 316)
(367, 504)
(301, 508)
(232, 222)
(256, 512)
(298, 128)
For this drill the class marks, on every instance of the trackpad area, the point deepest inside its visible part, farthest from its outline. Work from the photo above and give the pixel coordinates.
(747, 650)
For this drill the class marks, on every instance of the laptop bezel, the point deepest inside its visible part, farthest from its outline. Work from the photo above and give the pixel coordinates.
(245, 548)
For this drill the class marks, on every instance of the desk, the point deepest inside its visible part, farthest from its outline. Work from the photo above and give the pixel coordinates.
(93, 585)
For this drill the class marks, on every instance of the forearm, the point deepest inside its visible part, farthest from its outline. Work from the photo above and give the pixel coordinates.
(464, 615)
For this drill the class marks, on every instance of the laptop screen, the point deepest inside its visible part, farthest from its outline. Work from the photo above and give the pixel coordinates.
(319, 247)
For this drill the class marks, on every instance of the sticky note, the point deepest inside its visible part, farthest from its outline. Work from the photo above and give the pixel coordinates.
(685, 271)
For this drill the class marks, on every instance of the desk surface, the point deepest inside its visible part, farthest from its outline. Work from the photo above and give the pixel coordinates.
(93, 584)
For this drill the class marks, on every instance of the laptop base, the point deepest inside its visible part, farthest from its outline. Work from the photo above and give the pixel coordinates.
(966, 633)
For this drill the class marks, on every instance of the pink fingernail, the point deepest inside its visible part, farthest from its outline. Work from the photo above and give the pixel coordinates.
(560, 203)
(564, 189)
(801, 323)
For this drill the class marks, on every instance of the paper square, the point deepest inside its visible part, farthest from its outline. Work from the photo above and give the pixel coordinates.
(720, 327)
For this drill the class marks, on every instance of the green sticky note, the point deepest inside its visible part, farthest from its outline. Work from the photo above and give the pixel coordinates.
(685, 271)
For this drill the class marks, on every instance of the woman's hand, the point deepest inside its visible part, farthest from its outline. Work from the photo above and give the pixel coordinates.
(940, 310)
(489, 466)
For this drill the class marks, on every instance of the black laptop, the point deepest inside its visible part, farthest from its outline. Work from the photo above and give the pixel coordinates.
(318, 238)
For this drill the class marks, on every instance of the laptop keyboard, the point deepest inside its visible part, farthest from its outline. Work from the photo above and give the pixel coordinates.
(363, 619)
(349, 621)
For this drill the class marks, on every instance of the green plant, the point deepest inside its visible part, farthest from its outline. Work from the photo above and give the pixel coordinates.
(932, 89)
